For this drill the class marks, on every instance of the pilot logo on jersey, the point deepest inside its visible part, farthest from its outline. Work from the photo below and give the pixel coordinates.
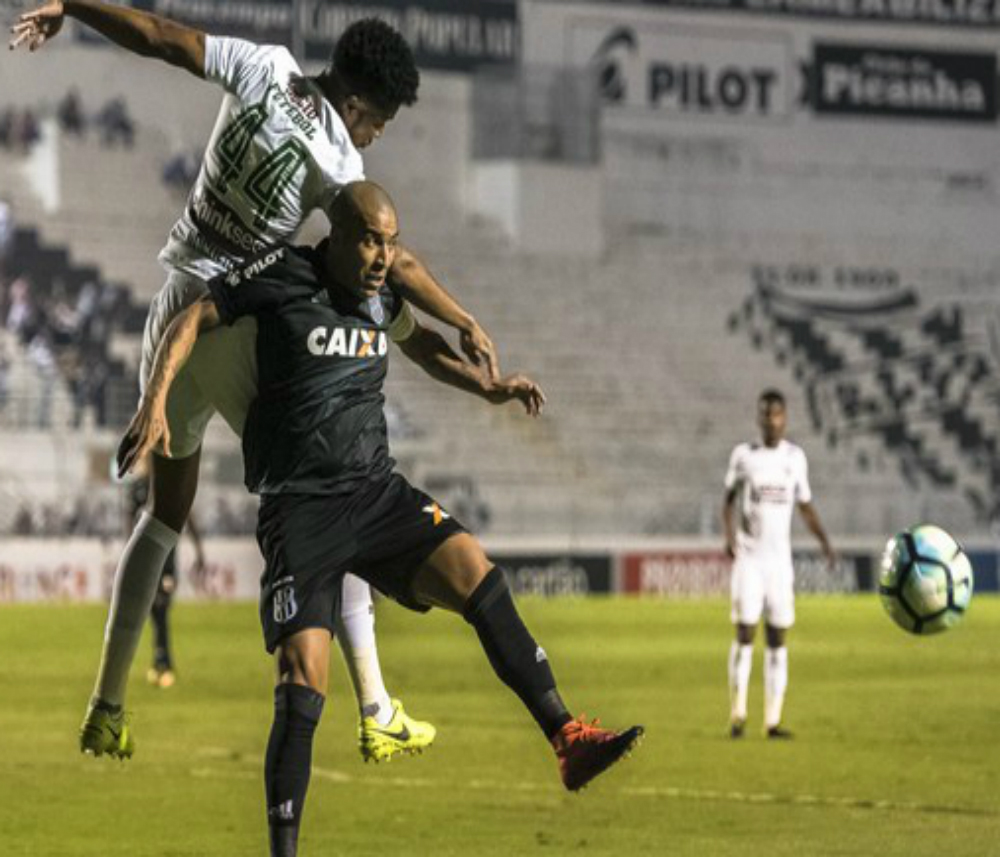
(257, 266)
(347, 342)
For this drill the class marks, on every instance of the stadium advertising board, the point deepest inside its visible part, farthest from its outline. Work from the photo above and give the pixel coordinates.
(556, 574)
(698, 572)
(985, 570)
(887, 81)
(671, 69)
(266, 21)
(79, 570)
(675, 572)
(450, 35)
(945, 13)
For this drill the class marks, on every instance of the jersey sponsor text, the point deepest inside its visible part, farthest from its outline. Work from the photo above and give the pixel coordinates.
(347, 342)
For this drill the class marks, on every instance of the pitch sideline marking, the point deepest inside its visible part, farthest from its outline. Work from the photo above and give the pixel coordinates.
(670, 792)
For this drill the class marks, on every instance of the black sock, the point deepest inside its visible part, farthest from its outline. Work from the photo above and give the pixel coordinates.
(517, 659)
(161, 631)
(287, 765)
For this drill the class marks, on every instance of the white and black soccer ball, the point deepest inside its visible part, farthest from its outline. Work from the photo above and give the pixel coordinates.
(925, 580)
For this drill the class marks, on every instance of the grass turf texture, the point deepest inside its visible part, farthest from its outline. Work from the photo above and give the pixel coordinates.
(896, 749)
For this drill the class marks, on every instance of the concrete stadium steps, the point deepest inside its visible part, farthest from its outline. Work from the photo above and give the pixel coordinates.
(116, 211)
(23, 408)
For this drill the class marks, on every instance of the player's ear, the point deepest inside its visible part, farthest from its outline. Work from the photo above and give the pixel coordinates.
(353, 103)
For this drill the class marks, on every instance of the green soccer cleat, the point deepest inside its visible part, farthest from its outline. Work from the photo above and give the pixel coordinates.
(106, 731)
(403, 734)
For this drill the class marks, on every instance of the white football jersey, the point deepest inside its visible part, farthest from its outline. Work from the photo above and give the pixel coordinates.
(769, 483)
(272, 159)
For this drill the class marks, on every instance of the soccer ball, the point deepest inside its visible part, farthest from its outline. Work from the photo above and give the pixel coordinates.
(925, 580)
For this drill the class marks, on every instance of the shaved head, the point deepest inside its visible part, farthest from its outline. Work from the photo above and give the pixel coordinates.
(357, 203)
(363, 235)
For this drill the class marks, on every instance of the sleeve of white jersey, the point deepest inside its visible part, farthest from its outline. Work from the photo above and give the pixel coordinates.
(803, 491)
(403, 324)
(733, 472)
(243, 68)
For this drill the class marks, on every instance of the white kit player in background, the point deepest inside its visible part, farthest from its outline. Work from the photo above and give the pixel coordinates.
(764, 483)
(283, 146)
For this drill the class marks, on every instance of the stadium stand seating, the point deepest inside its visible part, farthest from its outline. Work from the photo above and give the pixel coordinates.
(652, 358)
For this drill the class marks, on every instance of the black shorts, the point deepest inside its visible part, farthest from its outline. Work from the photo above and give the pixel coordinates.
(382, 533)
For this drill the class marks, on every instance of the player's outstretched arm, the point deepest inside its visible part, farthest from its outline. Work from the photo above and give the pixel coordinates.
(148, 428)
(429, 350)
(140, 32)
(412, 279)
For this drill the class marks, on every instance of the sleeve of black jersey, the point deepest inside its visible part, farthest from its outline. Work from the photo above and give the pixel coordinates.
(262, 284)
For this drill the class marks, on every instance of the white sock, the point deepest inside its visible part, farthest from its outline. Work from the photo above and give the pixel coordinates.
(740, 665)
(356, 635)
(775, 682)
(136, 580)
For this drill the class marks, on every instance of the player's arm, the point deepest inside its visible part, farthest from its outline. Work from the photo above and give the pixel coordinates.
(429, 350)
(148, 427)
(733, 480)
(728, 527)
(811, 519)
(411, 278)
(142, 33)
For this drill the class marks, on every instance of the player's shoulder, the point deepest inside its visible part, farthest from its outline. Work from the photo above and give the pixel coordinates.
(227, 57)
(280, 57)
(280, 261)
(793, 450)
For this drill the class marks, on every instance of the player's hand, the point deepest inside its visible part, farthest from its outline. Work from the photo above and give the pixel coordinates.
(831, 558)
(730, 549)
(147, 430)
(36, 27)
(519, 387)
(479, 348)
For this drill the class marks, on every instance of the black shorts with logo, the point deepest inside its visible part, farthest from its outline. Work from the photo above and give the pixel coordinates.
(382, 533)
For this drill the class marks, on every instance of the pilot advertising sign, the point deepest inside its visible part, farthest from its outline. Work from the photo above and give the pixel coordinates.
(688, 71)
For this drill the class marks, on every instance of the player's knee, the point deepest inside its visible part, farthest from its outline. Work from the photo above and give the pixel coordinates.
(303, 659)
(174, 484)
(452, 574)
(775, 637)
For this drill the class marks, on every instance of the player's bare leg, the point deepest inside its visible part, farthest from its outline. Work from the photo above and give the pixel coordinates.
(174, 483)
(459, 577)
(775, 681)
(740, 666)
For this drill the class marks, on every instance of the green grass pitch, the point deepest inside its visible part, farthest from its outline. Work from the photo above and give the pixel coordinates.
(897, 748)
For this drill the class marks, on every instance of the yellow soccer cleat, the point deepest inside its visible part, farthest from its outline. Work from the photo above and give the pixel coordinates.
(106, 731)
(402, 734)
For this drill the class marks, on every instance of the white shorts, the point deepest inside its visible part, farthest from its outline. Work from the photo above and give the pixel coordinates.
(763, 588)
(220, 375)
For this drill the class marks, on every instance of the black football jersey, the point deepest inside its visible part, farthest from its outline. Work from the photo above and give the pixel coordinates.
(318, 423)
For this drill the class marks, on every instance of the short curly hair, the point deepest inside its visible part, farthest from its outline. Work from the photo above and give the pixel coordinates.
(374, 58)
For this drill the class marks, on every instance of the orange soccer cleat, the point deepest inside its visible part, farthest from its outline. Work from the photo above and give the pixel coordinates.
(585, 750)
